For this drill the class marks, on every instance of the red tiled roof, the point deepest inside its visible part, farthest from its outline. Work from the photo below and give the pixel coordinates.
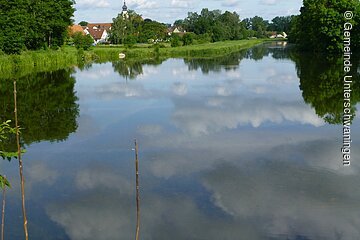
(96, 33)
(76, 28)
(105, 26)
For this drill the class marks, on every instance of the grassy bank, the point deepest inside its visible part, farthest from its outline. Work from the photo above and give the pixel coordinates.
(195, 51)
(36, 61)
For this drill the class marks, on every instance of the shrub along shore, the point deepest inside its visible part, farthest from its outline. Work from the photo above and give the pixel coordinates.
(15, 66)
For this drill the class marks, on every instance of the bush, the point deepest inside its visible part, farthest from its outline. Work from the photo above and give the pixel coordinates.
(203, 38)
(130, 41)
(82, 41)
(175, 40)
(188, 39)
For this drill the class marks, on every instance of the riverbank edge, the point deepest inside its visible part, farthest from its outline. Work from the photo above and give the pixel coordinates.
(16, 66)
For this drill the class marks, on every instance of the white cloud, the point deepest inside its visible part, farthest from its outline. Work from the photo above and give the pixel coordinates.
(269, 2)
(181, 3)
(93, 3)
(141, 4)
(231, 3)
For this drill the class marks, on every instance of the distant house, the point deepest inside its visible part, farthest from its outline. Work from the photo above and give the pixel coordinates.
(283, 35)
(176, 30)
(98, 31)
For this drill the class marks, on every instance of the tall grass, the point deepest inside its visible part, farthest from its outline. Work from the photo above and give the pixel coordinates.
(15, 66)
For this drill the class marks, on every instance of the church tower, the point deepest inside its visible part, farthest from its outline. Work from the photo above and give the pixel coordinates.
(124, 12)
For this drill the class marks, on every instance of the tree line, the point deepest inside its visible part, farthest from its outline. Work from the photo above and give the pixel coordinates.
(208, 26)
(318, 28)
(42, 24)
(34, 24)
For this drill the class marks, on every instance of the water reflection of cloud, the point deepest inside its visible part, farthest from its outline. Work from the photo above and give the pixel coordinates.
(283, 79)
(148, 71)
(180, 89)
(197, 118)
(99, 214)
(87, 125)
(184, 73)
(305, 145)
(150, 130)
(94, 217)
(223, 91)
(235, 75)
(288, 200)
(95, 74)
(39, 172)
(119, 90)
(99, 178)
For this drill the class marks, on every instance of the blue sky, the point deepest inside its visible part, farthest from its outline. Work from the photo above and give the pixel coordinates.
(168, 11)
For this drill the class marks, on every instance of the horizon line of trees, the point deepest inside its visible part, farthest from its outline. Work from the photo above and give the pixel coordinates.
(208, 26)
(318, 28)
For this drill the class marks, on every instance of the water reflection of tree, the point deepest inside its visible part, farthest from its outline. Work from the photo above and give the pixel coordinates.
(321, 82)
(321, 78)
(133, 68)
(47, 107)
(278, 50)
(207, 65)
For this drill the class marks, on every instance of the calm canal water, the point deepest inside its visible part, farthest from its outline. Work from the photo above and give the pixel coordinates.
(240, 147)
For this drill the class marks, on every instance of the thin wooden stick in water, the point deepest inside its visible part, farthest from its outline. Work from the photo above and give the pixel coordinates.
(137, 191)
(20, 166)
(3, 212)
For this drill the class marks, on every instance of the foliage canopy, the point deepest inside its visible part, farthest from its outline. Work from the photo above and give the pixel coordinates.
(34, 24)
(320, 25)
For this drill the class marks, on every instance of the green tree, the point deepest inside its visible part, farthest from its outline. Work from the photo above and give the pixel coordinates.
(220, 26)
(188, 39)
(14, 17)
(259, 25)
(175, 40)
(125, 26)
(179, 23)
(320, 25)
(82, 41)
(34, 24)
(281, 24)
(83, 23)
(151, 30)
(233, 28)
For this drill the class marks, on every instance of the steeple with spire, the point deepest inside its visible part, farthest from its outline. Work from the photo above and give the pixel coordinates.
(125, 11)
(124, 7)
